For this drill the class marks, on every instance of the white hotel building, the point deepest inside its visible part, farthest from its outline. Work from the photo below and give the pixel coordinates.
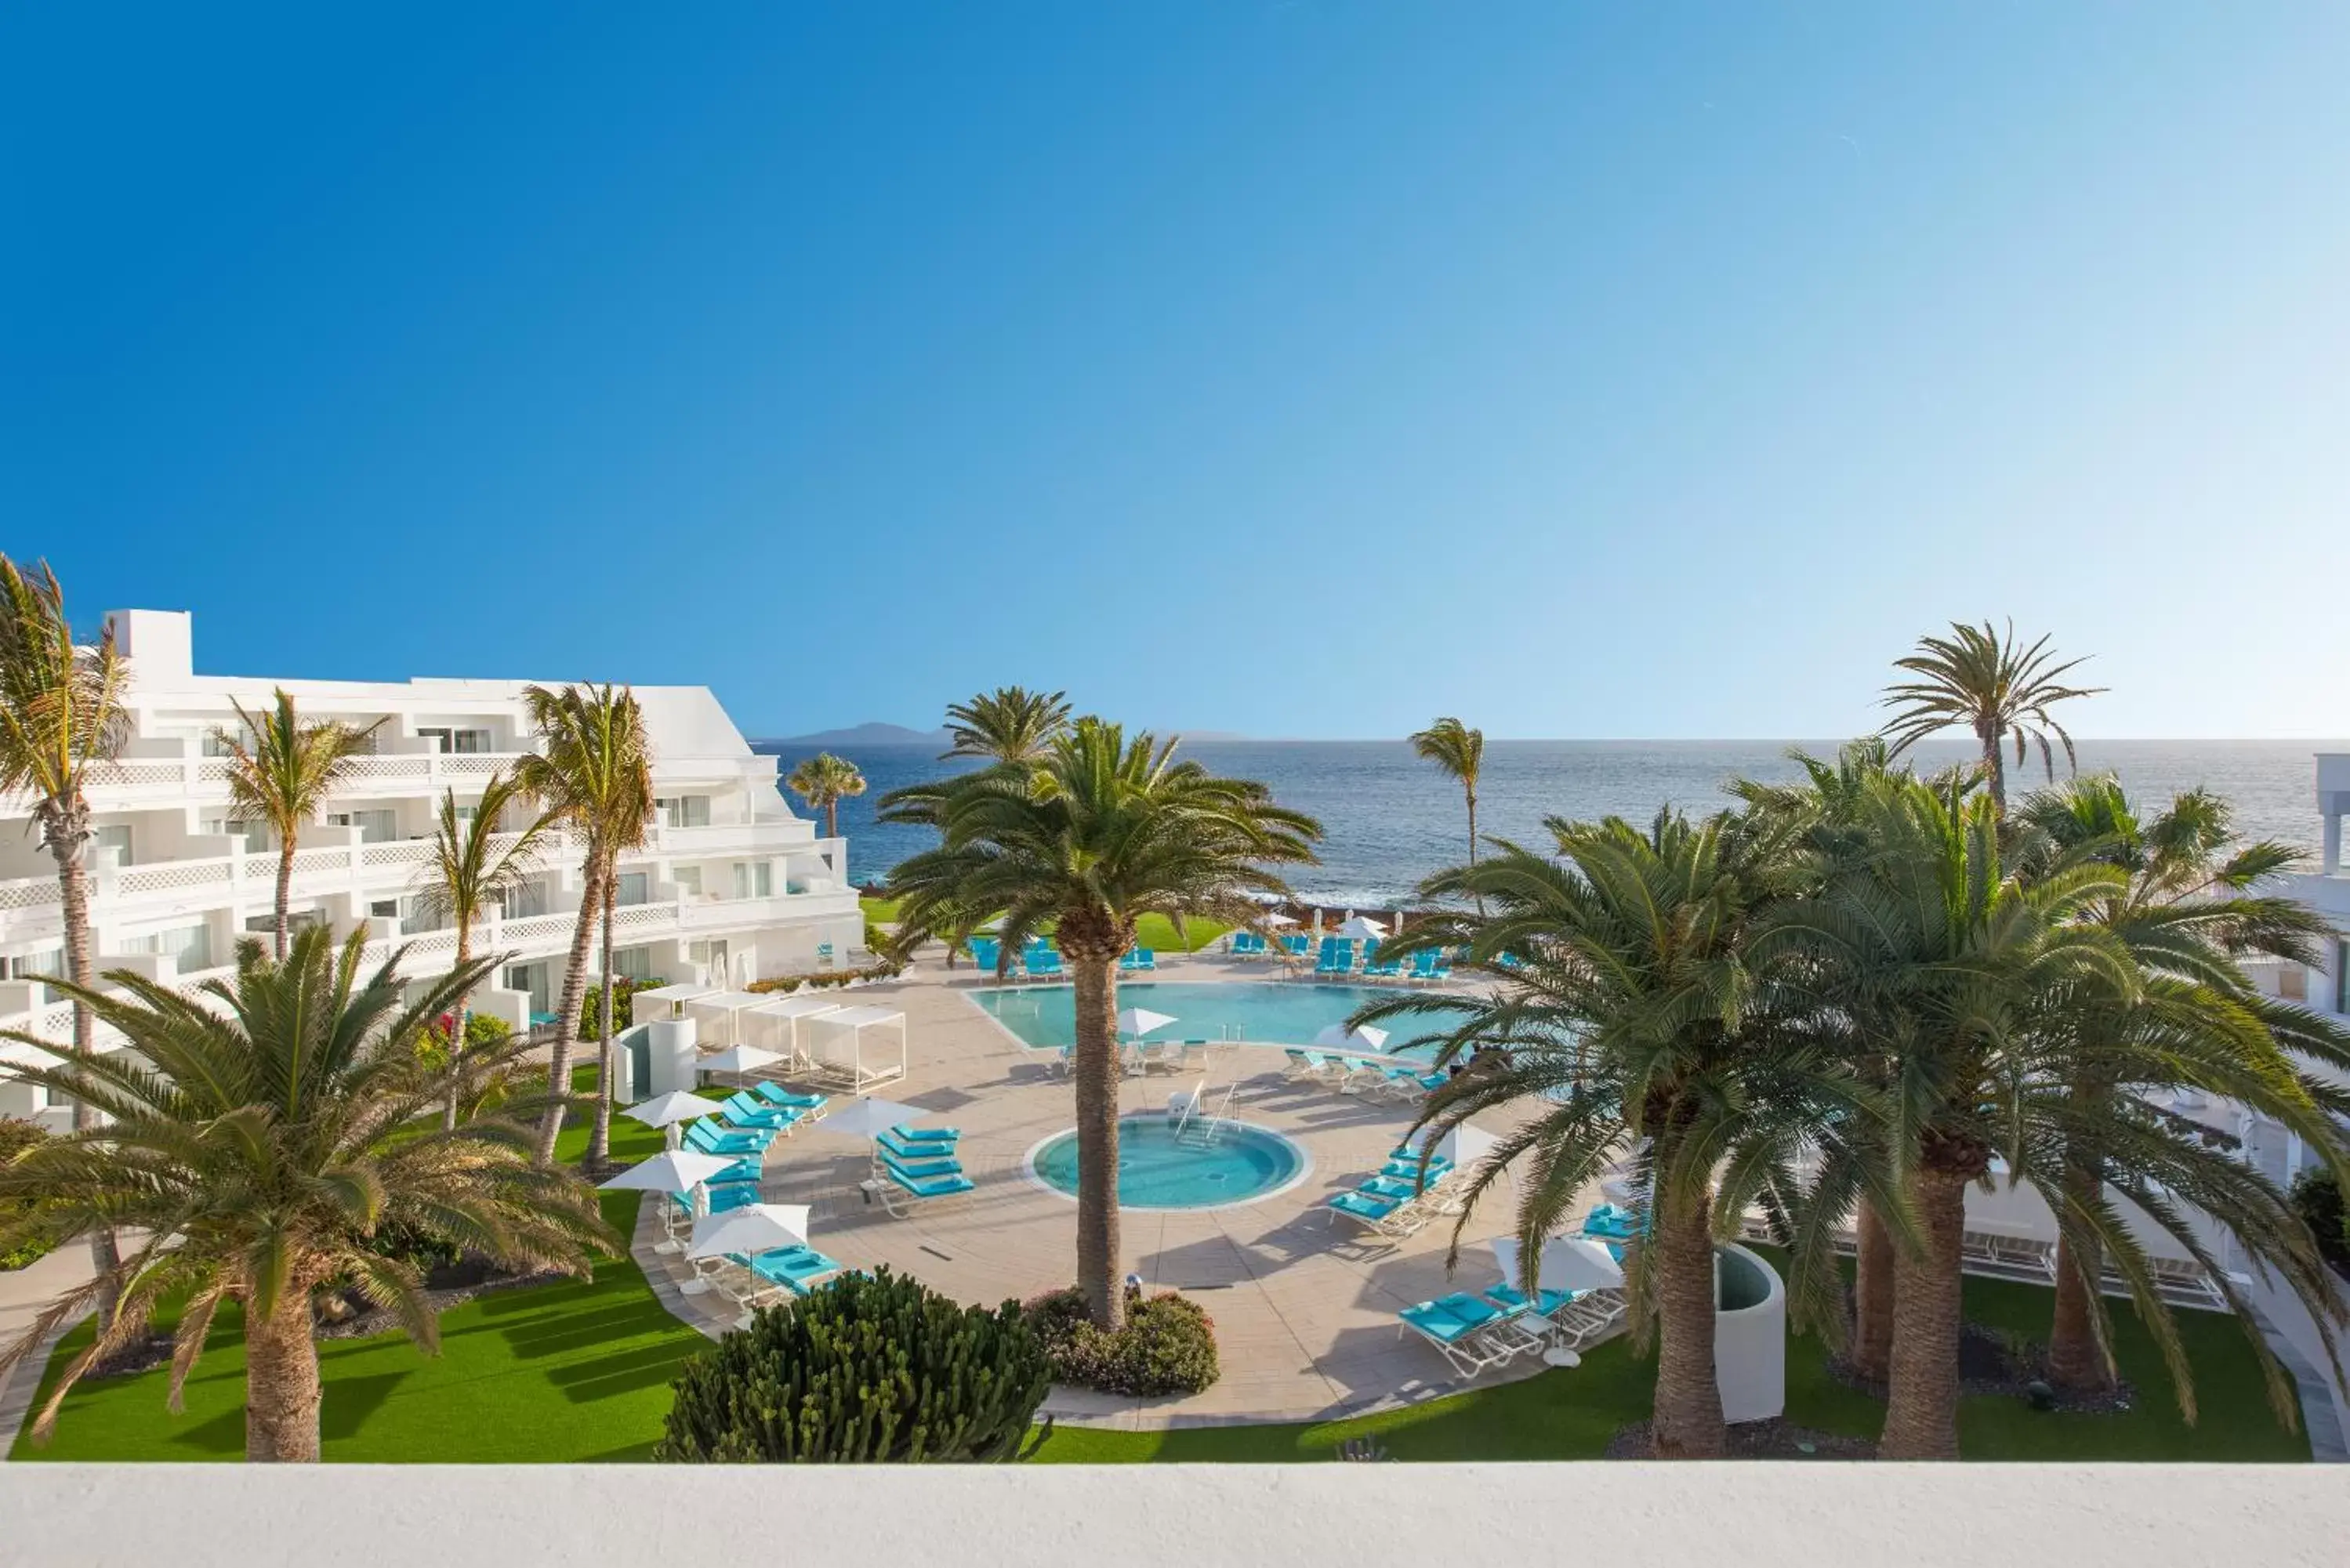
(731, 886)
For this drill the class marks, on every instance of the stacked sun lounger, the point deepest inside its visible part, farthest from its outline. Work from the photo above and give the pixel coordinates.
(917, 1165)
(1336, 958)
(1429, 964)
(1377, 968)
(1138, 959)
(1402, 1197)
(1611, 1222)
(1247, 944)
(1042, 963)
(985, 952)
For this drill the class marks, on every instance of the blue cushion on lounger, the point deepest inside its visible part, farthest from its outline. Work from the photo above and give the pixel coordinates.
(929, 1186)
(926, 1135)
(1363, 1208)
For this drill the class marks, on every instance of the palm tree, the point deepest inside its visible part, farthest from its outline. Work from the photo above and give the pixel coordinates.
(1980, 985)
(62, 723)
(1460, 750)
(593, 771)
(1634, 1028)
(1010, 724)
(2187, 910)
(824, 781)
(284, 777)
(469, 873)
(1976, 678)
(257, 1146)
(1087, 838)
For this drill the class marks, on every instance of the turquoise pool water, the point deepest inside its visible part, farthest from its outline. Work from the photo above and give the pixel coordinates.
(1275, 1013)
(1154, 1171)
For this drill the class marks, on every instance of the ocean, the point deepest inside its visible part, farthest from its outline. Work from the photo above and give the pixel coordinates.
(1390, 819)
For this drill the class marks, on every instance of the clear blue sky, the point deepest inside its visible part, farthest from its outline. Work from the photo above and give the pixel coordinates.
(1306, 368)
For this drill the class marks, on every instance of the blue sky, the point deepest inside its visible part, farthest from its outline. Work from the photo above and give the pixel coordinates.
(1295, 368)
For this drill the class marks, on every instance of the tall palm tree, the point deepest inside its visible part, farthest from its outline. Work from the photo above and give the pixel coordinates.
(592, 771)
(1096, 832)
(257, 1145)
(1460, 750)
(1982, 681)
(2189, 909)
(62, 723)
(824, 781)
(1982, 985)
(284, 776)
(1010, 724)
(470, 872)
(1635, 1028)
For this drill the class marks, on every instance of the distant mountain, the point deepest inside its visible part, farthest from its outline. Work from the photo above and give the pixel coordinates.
(857, 735)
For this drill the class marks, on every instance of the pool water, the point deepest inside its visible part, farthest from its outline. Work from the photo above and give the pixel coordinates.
(1154, 1171)
(1275, 1013)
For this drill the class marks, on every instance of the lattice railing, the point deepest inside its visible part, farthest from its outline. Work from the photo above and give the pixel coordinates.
(30, 893)
(173, 875)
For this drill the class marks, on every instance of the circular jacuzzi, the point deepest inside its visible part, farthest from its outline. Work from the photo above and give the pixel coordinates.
(1204, 1165)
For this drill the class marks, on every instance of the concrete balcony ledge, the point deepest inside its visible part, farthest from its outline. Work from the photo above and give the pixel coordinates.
(1761, 1515)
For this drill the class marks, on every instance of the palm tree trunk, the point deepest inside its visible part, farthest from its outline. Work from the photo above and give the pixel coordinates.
(285, 893)
(1921, 1409)
(1095, 1071)
(67, 829)
(1871, 1350)
(1471, 790)
(457, 1026)
(2077, 1361)
(1688, 1424)
(832, 819)
(1994, 766)
(281, 1383)
(566, 1024)
(599, 1141)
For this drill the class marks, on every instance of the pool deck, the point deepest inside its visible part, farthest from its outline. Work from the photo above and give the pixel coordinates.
(1304, 1310)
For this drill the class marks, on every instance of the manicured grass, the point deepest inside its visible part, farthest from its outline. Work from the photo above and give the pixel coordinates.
(1570, 1414)
(572, 1371)
(1154, 931)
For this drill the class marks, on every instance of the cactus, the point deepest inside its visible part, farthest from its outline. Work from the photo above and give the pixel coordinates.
(870, 1369)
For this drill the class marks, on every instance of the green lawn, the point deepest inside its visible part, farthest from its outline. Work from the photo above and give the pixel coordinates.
(572, 1371)
(580, 1372)
(1570, 1414)
(1154, 931)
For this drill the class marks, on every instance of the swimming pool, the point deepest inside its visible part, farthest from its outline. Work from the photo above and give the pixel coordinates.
(1269, 1012)
(1241, 1164)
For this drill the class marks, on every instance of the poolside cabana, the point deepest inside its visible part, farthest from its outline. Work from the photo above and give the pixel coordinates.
(857, 1046)
(714, 1013)
(778, 1024)
(665, 1001)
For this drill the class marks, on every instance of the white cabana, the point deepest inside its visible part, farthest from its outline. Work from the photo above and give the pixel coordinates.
(664, 1001)
(777, 1024)
(857, 1046)
(740, 1060)
(714, 1013)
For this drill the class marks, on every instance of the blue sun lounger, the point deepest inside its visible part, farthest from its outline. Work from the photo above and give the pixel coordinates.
(808, 1105)
(797, 1269)
(700, 1134)
(743, 1109)
(922, 1166)
(1472, 1333)
(1612, 1223)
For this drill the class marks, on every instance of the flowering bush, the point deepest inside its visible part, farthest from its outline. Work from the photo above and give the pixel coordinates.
(1167, 1347)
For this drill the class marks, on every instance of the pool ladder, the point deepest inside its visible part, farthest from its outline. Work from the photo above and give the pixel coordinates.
(1206, 1132)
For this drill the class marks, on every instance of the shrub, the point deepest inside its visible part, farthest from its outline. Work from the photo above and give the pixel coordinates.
(1168, 1345)
(482, 1030)
(870, 1368)
(624, 1005)
(15, 1136)
(2317, 1199)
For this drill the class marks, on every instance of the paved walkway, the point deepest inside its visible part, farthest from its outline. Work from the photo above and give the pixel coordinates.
(24, 1293)
(1305, 1311)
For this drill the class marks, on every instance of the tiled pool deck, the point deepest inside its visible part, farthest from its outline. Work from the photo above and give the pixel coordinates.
(1304, 1310)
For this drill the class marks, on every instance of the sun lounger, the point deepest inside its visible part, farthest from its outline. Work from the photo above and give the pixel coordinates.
(700, 1134)
(905, 1134)
(1042, 965)
(920, 1166)
(898, 1148)
(797, 1269)
(741, 1109)
(774, 1094)
(1471, 1333)
(1406, 1166)
(1610, 1222)
(985, 952)
(901, 1194)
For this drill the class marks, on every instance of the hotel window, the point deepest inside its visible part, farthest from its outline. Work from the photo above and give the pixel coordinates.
(190, 947)
(685, 810)
(634, 963)
(688, 879)
(32, 966)
(375, 826)
(754, 879)
(115, 838)
(636, 887)
(255, 835)
(463, 743)
(530, 899)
